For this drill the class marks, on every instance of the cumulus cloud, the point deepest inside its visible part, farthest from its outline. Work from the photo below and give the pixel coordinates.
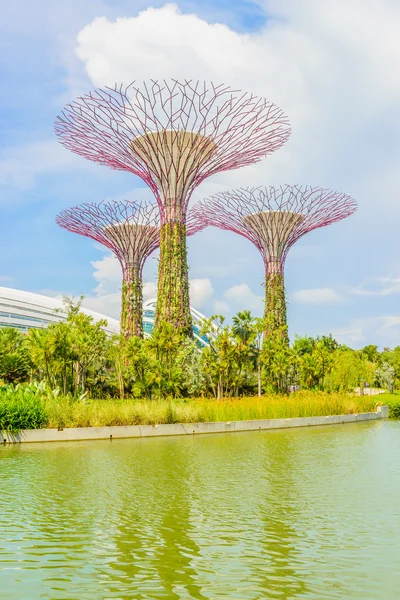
(107, 269)
(383, 330)
(321, 62)
(107, 297)
(317, 296)
(201, 291)
(220, 307)
(241, 297)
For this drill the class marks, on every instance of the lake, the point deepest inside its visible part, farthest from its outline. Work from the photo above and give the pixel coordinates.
(310, 513)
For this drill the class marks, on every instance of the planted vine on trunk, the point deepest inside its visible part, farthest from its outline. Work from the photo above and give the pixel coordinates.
(132, 303)
(173, 281)
(275, 304)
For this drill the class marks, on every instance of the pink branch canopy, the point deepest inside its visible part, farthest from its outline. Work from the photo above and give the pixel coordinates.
(131, 230)
(172, 134)
(274, 218)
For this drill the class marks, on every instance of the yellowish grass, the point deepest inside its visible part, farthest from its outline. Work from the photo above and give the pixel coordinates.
(97, 413)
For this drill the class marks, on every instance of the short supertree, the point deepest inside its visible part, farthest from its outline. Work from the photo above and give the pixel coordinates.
(173, 135)
(274, 218)
(131, 230)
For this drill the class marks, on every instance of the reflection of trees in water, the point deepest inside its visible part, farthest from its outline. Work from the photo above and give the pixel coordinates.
(278, 574)
(165, 518)
(154, 550)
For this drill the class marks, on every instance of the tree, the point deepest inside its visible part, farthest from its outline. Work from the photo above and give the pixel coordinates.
(164, 346)
(371, 353)
(243, 325)
(347, 370)
(88, 345)
(14, 358)
(41, 353)
(227, 359)
(385, 376)
(278, 362)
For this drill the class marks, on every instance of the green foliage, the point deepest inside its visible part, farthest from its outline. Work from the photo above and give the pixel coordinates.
(76, 358)
(97, 413)
(173, 281)
(227, 360)
(392, 357)
(275, 305)
(347, 371)
(278, 362)
(371, 353)
(315, 358)
(132, 303)
(69, 353)
(14, 357)
(21, 408)
(385, 375)
(394, 409)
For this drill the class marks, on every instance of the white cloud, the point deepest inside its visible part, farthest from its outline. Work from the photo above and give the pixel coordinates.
(378, 286)
(383, 330)
(317, 296)
(108, 274)
(332, 66)
(241, 297)
(200, 292)
(20, 166)
(220, 307)
(107, 270)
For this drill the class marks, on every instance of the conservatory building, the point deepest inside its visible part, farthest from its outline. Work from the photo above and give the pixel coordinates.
(149, 315)
(25, 310)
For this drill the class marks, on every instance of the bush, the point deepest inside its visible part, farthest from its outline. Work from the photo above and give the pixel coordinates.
(394, 409)
(21, 408)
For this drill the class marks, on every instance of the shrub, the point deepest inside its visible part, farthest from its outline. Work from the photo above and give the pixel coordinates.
(21, 408)
(394, 409)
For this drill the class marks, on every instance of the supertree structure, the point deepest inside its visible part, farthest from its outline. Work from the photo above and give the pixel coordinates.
(131, 230)
(173, 135)
(274, 218)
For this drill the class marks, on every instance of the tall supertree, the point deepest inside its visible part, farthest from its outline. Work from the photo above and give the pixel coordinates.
(173, 135)
(131, 230)
(274, 218)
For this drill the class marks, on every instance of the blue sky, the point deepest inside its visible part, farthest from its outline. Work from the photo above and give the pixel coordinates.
(332, 66)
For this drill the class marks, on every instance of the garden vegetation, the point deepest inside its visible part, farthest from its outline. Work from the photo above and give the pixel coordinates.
(72, 374)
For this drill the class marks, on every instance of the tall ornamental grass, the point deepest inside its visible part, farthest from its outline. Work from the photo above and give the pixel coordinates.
(96, 413)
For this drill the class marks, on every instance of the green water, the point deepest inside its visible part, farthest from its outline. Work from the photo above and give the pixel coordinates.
(312, 513)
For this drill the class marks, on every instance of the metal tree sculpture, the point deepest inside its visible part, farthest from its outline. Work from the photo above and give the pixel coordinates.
(173, 135)
(131, 230)
(274, 218)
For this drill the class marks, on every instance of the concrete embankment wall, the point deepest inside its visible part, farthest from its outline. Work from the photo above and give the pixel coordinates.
(135, 431)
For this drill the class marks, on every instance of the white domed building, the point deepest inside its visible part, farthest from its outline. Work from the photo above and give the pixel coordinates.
(26, 310)
(149, 316)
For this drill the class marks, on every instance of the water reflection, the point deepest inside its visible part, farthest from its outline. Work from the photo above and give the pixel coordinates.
(269, 515)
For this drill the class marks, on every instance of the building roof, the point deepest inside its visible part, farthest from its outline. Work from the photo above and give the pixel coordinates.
(25, 310)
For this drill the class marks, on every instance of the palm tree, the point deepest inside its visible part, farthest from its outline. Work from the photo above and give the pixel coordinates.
(243, 325)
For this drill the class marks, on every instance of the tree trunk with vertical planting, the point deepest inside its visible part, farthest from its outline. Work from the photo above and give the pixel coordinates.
(173, 281)
(132, 303)
(275, 304)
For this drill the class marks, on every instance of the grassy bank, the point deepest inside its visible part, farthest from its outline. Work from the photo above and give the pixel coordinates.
(138, 412)
(26, 410)
(393, 401)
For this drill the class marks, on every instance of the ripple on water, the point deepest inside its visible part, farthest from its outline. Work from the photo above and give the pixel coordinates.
(287, 514)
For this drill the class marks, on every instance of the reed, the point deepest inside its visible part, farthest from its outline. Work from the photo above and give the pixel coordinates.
(62, 412)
